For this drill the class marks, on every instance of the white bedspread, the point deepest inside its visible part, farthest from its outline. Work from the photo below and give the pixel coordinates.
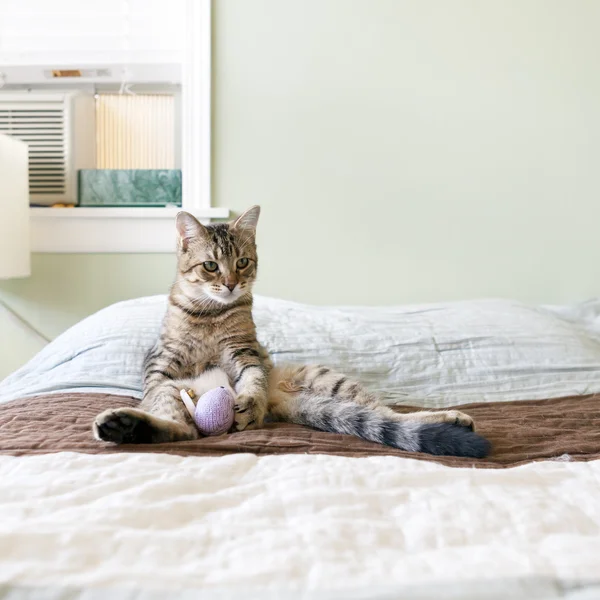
(433, 355)
(378, 527)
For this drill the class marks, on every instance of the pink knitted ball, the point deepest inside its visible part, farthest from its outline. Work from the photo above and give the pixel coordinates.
(214, 412)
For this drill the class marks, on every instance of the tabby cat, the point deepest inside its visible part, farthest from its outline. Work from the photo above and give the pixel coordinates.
(208, 338)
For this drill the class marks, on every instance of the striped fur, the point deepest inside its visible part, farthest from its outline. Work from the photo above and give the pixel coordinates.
(318, 397)
(209, 324)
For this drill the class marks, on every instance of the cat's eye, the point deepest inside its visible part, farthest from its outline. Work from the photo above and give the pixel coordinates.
(242, 263)
(210, 266)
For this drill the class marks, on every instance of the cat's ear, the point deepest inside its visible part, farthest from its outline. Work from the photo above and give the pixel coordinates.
(188, 229)
(248, 220)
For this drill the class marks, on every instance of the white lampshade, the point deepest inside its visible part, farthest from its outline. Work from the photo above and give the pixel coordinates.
(14, 209)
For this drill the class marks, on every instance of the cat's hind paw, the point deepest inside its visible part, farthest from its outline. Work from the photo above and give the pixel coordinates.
(122, 426)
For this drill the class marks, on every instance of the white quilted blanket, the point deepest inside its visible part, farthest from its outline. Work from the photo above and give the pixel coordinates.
(320, 526)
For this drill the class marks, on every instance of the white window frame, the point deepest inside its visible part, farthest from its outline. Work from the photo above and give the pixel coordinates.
(142, 230)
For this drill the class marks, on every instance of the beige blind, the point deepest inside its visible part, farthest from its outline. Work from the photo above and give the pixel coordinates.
(135, 131)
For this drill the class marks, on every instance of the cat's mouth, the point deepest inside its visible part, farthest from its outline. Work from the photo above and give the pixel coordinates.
(227, 297)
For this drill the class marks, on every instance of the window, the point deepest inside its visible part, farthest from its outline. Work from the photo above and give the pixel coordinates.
(76, 33)
(69, 50)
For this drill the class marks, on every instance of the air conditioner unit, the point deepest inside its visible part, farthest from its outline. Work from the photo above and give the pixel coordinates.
(74, 73)
(59, 128)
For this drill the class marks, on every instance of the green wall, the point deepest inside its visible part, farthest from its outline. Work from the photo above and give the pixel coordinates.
(413, 150)
(64, 288)
(402, 151)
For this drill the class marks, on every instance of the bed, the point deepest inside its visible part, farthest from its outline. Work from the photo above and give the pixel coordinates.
(290, 512)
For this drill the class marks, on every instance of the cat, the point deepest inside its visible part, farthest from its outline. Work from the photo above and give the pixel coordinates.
(208, 338)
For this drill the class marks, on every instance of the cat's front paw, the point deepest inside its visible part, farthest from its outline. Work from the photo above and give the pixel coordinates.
(249, 412)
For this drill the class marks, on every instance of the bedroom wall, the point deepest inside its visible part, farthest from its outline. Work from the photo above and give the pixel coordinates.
(402, 150)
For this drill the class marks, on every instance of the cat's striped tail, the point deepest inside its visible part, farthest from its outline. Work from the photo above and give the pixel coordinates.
(378, 423)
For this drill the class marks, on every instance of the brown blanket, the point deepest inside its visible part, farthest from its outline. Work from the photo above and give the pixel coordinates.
(520, 432)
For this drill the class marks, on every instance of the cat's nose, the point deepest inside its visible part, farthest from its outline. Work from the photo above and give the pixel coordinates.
(230, 282)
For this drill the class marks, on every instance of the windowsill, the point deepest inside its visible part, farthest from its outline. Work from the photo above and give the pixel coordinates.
(104, 230)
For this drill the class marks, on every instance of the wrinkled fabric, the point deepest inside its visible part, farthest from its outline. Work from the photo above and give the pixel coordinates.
(433, 356)
(520, 432)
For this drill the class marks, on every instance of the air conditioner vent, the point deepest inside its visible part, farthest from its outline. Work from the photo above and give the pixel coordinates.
(43, 125)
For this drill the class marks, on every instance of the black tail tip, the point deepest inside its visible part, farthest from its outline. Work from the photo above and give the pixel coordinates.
(448, 439)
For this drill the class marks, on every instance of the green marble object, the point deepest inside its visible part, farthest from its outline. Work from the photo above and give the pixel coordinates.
(129, 187)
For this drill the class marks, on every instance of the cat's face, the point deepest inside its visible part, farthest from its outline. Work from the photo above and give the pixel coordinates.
(218, 262)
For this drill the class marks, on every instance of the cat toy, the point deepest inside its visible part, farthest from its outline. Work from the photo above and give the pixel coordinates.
(213, 414)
